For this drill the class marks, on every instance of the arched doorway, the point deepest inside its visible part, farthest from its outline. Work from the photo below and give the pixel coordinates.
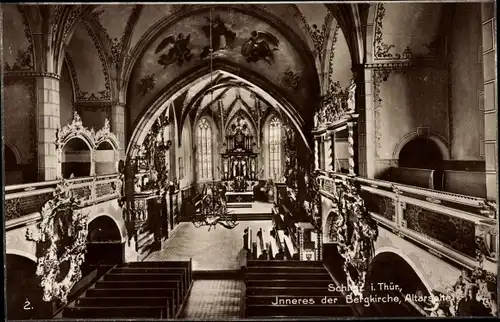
(76, 160)
(105, 159)
(423, 153)
(104, 246)
(390, 269)
(13, 172)
(25, 296)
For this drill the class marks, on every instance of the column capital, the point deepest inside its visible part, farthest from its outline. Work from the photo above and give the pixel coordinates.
(31, 74)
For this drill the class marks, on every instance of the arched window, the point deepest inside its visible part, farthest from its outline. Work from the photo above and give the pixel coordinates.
(275, 148)
(204, 149)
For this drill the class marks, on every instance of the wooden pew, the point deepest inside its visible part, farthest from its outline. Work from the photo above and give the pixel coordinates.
(465, 183)
(412, 176)
(290, 249)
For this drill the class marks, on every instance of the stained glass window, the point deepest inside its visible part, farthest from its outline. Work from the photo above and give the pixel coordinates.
(275, 148)
(204, 149)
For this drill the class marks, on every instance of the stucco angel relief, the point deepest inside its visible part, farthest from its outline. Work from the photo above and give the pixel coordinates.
(259, 45)
(178, 51)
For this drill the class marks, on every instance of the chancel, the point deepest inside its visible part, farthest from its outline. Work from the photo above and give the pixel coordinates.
(230, 161)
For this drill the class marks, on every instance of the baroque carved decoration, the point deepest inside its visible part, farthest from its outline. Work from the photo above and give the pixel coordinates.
(105, 135)
(154, 152)
(355, 233)
(74, 129)
(93, 139)
(61, 239)
(475, 289)
(336, 105)
(24, 58)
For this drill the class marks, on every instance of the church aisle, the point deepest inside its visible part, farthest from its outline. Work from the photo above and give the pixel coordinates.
(215, 300)
(218, 249)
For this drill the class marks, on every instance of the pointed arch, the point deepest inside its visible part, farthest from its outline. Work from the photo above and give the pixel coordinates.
(271, 95)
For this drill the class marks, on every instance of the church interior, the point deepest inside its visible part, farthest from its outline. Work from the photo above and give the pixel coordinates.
(233, 161)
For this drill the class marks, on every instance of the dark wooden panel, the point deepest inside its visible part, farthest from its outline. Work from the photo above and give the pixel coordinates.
(457, 233)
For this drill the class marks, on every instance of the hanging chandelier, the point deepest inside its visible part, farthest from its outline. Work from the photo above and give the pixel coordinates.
(213, 210)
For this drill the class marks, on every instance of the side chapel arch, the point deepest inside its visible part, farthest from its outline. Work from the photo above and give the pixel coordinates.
(272, 95)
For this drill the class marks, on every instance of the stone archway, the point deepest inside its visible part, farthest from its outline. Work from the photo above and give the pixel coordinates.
(272, 95)
(104, 244)
(25, 296)
(390, 269)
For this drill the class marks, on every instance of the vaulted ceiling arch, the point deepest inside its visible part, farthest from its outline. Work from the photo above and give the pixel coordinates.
(150, 36)
(272, 96)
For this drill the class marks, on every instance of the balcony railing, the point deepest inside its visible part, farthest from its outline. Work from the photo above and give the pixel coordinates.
(24, 202)
(446, 224)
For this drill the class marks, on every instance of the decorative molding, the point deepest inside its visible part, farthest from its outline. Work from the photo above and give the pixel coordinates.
(382, 50)
(25, 58)
(55, 23)
(379, 76)
(316, 33)
(30, 74)
(78, 93)
(106, 93)
(332, 52)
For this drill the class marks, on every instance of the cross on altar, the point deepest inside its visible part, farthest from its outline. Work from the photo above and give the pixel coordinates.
(239, 198)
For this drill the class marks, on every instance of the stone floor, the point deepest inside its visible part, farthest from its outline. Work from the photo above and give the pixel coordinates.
(215, 300)
(217, 249)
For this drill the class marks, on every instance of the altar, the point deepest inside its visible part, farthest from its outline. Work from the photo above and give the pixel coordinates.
(239, 164)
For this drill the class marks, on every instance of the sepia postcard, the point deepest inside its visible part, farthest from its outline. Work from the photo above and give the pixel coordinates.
(232, 161)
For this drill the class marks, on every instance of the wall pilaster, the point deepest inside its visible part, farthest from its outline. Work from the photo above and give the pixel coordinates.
(118, 126)
(490, 103)
(48, 120)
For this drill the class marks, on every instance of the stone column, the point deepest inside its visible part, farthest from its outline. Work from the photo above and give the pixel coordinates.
(490, 103)
(350, 140)
(48, 121)
(326, 150)
(316, 154)
(332, 152)
(118, 126)
(366, 128)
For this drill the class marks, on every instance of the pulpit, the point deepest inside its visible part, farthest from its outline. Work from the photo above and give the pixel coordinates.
(239, 164)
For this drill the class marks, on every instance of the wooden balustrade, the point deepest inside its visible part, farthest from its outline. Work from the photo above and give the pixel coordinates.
(446, 224)
(24, 202)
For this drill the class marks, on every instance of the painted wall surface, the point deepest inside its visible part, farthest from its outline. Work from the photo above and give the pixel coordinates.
(466, 83)
(286, 59)
(66, 98)
(408, 100)
(19, 108)
(17, 46)
(85, 64)
(113, 18)
(340, 61)
(406, 27)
